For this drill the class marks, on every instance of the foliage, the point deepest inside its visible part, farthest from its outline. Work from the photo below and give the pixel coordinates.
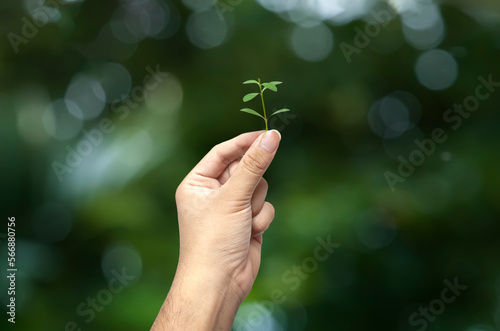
(267, 86)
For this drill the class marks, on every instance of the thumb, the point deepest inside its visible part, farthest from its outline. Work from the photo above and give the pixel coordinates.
(254, 163)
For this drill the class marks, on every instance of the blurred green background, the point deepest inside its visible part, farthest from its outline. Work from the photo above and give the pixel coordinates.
(72, 77)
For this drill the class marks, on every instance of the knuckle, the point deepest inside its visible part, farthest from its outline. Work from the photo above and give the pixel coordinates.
(254, 164)
(232, 167)
(215, 149)
(259, 227)
(272, 211)
(179, 192)
(218, 150)
(264, 228)
(264, 184)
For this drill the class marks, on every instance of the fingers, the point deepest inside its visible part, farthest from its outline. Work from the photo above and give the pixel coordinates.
(263, 219)
(258, 239)
(259, 197)
(217, 160)
(254, 164)
(254, 254)
(229, 171)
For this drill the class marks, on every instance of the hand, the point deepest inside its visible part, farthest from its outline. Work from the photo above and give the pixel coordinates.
(222, 216)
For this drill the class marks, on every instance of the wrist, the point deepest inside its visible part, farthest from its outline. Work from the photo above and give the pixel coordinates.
(220, 280)
(200, 300)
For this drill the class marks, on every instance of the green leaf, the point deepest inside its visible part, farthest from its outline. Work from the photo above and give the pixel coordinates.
(251, 82)
(249, 97)
(280, 111)
(270, 86)
(251, 111)
(276, 83)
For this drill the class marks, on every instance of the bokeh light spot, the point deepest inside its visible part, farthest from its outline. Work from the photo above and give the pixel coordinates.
(59, 123)
(312, 43)
(115, 81)
(121, 256)
(205, 29)
(436, 69)
(375, 229)
(87, 94)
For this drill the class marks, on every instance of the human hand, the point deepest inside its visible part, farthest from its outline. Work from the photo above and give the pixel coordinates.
(222, 215)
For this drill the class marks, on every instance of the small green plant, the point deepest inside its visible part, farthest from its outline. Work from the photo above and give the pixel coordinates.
(262, 87)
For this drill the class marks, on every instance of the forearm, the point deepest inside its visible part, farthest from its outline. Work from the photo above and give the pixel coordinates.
(198, 302)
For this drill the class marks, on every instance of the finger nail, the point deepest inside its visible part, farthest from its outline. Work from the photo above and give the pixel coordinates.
(270, 141)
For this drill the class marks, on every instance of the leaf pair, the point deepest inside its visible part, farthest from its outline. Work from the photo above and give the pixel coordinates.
(271, 86)
(253, 112)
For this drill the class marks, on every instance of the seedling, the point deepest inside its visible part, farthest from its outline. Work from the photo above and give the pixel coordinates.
(262, 88)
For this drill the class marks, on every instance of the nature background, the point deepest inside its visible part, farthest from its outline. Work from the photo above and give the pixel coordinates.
(116, 208)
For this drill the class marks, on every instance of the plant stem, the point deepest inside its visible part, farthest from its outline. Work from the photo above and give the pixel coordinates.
(263, 105)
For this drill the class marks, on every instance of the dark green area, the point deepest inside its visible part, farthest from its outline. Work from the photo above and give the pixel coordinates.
(327, 180)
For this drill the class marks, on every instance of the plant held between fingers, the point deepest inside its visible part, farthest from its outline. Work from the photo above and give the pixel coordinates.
(262, 87)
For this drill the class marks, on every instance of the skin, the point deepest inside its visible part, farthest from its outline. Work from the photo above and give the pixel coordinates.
(222, 215)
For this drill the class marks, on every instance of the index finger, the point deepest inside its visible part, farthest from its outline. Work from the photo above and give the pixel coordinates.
(219, 157)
